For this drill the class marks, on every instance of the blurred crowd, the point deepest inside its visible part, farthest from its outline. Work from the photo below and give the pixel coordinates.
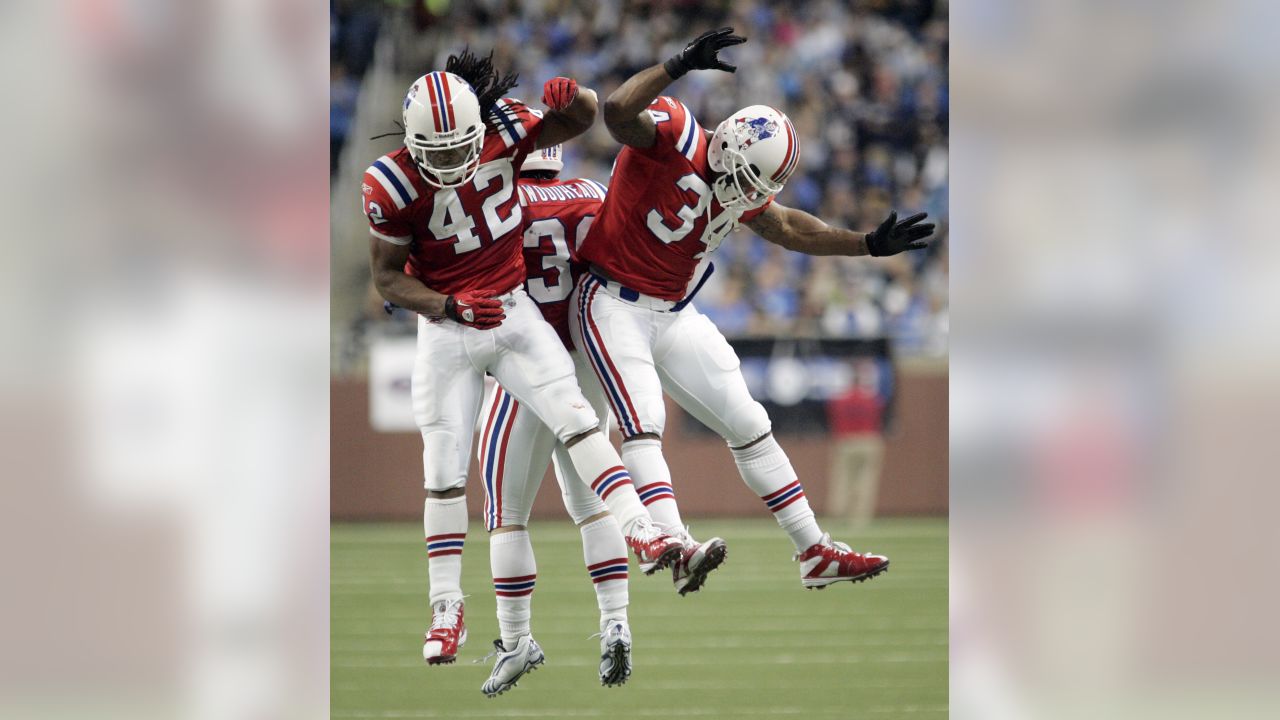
(864, 81)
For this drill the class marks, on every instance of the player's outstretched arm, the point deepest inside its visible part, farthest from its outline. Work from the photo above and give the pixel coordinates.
(387, 262)
(798, 230)
(572, 111)
(624, 109)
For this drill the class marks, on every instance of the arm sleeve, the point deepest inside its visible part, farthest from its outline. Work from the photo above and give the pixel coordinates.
(676, 128)
(383, 211)
(518, 125)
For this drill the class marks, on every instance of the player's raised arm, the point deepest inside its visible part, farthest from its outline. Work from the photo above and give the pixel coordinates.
(572, 111)
(798, 230)
(387, 261)
(624, 109)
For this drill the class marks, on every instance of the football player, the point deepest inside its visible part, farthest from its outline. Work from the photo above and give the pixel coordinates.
(516, 446)
(675, 193)
(446, 229)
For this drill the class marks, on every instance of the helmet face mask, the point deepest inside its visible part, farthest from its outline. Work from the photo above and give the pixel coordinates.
(740, 187)
(754, 151)
(447, 163)
(443, 129)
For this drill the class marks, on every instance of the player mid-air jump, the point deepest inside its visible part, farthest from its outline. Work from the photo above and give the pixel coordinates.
(675, 193)
(446, 230)
(516, 446)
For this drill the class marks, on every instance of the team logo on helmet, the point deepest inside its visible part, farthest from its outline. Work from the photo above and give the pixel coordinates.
(755, 129)
(413, 91)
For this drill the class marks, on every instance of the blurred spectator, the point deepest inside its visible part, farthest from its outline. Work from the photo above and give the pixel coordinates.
(857, 418)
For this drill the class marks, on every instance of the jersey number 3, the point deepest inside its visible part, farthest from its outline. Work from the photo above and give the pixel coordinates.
(688, 214)
(448, 219)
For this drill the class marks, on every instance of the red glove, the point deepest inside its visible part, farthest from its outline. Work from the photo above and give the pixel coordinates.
(559, 92)
(475, 309)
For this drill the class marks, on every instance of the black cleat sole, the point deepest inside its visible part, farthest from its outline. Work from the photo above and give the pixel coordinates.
(715, 558)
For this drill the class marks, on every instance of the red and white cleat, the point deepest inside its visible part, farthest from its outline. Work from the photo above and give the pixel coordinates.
(696, 562)
(655, 550)
(447, 635)
(831, 562)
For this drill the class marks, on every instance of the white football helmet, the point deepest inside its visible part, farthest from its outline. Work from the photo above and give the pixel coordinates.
(756, 149)
(545, 159)
(443, 128)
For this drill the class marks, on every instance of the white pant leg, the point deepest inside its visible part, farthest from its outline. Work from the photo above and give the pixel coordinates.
(515, 448)
(532, 364)
(702, 374)
(447, 389)
(616, 337)
(578, 499)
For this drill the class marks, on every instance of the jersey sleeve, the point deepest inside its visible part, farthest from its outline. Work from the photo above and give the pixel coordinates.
(518, 125)
(676, 128)
(752, 214)
(382, 206)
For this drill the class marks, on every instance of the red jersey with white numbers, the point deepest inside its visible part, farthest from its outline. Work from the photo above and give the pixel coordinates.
(464, 238)
(654, 226)
(557, 216)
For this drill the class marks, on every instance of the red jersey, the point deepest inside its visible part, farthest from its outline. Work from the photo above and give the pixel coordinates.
(654, 228)
(557, 216)
(464, 238)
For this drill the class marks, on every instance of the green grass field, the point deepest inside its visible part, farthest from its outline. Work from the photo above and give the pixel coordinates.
(752, 643)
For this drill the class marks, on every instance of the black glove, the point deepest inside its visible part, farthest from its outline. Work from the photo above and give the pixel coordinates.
(701, 53)
(893, 237)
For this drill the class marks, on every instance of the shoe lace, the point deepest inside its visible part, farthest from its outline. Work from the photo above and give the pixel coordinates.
(645, 531)
(497, 648)
(606, 630)
(445, 615)
(830, 549)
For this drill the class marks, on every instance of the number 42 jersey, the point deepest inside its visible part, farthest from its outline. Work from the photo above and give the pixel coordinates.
(660, 217)
(464, 238)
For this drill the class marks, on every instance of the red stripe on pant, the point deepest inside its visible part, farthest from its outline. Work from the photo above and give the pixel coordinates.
(502, 463)
(604, 353)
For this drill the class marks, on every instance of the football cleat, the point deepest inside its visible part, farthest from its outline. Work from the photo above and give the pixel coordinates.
(696, 561)
(511, 665)
(830, 562)
(615, 653)
(655, 550)
(447, 635)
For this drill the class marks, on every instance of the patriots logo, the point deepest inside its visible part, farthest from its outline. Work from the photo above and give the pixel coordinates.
(409, 98)
(752, 130)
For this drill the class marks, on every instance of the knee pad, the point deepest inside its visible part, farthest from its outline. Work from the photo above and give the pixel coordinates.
(442, 470)
(747, 423)
(582, 506)
(507, 519)
(565, 410)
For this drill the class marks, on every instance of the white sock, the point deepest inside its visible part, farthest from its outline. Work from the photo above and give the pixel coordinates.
(605, 553)
(444, 521)
(600, 467)
(643, 458)
(514, 574)
(767, 471)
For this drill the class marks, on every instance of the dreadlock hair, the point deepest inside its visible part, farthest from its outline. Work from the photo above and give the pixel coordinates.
(478, 72)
